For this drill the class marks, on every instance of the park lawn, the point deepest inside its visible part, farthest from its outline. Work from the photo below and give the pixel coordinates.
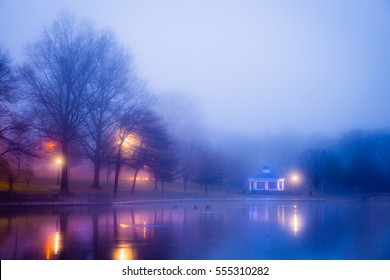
(21, 187)
(43, 189)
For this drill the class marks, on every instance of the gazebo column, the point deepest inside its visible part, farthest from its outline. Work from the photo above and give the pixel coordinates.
(266, 184)
(281, 185)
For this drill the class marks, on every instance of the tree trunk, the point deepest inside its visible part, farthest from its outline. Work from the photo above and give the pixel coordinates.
(155, 184)
(117, 169)
(96, 174)
(64, 187)
(63, 223)
(185, 179)
(96, 162)
(18, 173)
(162, 187)
(134, 180)
(115, 224)
(108, 175)
(11, 184)
(116, 179)
(95, 233)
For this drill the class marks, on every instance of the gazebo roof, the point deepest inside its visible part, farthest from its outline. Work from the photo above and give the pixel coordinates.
(266, 174)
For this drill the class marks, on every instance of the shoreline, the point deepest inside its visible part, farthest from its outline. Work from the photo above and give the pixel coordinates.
(79, 201)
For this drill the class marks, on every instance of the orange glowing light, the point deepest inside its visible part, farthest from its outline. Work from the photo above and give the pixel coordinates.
(129, 142)
(140, 178)
(50, 145)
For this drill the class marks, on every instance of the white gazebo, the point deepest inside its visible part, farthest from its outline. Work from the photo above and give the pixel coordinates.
(266, 181)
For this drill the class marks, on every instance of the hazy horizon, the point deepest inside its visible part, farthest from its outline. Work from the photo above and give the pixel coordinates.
(254, 68)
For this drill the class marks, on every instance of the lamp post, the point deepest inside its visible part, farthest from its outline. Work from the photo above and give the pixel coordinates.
(295, 181)
(59, 161)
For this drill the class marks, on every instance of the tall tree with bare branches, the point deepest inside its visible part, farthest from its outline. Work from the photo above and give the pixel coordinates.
(58, 74)
(7, 77)
(114, 86)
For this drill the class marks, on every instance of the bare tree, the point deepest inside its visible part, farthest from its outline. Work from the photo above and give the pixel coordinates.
(123, 132)
(183, 121)
(209, 168)
(186, 155)
(16, 140)
(137, 160)
(113, 87)
(143, 141)
(58, 74)
(21, 145)
(315, 163)
(7, 77)
(127, 129)
(159, 155)
(7, 173)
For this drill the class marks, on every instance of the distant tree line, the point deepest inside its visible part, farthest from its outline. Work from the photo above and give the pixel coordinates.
(358, 161)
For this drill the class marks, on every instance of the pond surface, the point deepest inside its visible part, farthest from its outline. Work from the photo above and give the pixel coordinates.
(200, 230)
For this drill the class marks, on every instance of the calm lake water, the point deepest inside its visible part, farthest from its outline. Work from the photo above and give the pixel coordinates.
(342, 229)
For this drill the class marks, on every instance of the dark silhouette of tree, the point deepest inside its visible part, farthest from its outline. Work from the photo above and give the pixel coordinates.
(209, 168)
(186, 156)
(137, 161)
(16, 140)
(335, 173)
(112, 91)
(318, 165)
(160, 157)
(7, 76)
(21, 147)
(127, 129)
(142, 141)
(58, 75)
(182, 120)
(7, 85)
(7, 173)
(366, 159)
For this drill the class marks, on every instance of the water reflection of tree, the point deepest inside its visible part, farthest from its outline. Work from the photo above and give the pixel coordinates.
(123, 243)
(63, 225)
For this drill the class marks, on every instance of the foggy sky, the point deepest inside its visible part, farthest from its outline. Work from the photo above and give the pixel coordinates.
(255, 67)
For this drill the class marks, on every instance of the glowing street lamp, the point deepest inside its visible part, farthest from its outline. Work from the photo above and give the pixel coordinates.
(295, 178)
(59, 162)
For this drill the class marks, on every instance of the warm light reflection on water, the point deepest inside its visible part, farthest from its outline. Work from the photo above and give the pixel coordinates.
(261, 214)
(124, 252)
(296, 221)
(53, 246)
(212, 230)
(281, 215)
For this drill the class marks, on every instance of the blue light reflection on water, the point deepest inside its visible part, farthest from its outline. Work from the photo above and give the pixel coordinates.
(200, 230)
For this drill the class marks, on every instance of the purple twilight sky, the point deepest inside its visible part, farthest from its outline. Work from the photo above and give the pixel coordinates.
(254, 67)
